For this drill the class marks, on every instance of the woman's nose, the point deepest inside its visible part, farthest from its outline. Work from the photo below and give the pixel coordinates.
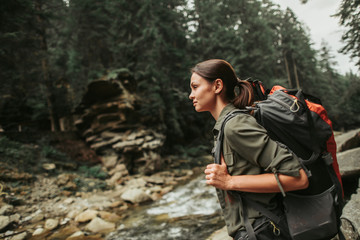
(191, 96)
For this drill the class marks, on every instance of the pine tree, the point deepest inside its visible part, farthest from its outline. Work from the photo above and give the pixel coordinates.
(349, 14)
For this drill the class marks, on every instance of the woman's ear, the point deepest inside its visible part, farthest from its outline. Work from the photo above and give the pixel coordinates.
(219, 85)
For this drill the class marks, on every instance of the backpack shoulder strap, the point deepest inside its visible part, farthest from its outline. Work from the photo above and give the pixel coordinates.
(217, 150)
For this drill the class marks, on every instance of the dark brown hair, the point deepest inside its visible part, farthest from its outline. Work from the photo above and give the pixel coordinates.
(213, 69)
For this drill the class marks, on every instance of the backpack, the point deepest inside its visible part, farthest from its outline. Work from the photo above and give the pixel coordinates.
(298, 121)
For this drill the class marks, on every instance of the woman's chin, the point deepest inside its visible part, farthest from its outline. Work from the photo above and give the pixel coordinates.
(199, 109)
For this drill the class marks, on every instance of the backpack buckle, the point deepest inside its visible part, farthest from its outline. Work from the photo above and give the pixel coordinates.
(328, 159)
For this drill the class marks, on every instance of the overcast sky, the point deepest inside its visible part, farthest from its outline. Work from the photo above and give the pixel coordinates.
(316, 14)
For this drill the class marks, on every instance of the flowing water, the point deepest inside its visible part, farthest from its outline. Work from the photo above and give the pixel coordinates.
(190, 211)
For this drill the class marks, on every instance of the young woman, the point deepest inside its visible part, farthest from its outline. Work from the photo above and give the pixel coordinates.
(250, 159)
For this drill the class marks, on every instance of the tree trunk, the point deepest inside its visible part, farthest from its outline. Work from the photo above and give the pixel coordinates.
(287, 70)
(45, 69)
(296, 75)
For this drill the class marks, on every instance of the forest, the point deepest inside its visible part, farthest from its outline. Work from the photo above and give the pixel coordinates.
(51, 50)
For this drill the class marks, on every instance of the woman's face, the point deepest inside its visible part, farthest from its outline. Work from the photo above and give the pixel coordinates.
(202, 93)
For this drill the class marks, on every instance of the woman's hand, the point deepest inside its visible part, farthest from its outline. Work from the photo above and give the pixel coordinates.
(217, 175)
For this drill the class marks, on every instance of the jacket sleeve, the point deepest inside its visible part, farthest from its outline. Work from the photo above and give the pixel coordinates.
(250, 140)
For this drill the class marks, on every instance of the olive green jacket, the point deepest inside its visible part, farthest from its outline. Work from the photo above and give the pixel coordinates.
(248, 150)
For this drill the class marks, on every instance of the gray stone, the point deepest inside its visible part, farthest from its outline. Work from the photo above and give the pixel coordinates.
(15, 218)
(98, 225)
(135, 196)
(4, 221)
(349, 163)
(51, 224)
(345, 141)
(86, 216)
(109, 161)
(20, 236)
(38, 231)
(351, 210)
(6, 209)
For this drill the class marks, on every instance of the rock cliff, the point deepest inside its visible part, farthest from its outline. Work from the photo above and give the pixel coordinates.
(110, 123)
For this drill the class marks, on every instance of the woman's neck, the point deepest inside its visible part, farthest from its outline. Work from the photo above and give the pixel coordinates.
(219, 106)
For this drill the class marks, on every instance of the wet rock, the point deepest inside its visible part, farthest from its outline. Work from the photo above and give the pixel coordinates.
(86, 216)
(4, 222)
(348, 229)
(51, 224)
(38, 231)
(98, 225)
(166, 190)
(351, 211)
(69, 200)
(111, 217)
(65, 232)
(64, 178)
(121, 168)
(114, 179)
(349, 163)
(15, 218)
(72, 213)
(348, 140)
(109, 161)
(49, 166)
(135, 196)
(20, 236)
(116, 204)
(6, 209)
(136, 183)
(76, 235)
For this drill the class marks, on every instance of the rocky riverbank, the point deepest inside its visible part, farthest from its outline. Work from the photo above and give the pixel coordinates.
(52, 206)
(58, 203)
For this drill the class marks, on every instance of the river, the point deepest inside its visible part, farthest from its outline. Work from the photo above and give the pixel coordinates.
(190, 211)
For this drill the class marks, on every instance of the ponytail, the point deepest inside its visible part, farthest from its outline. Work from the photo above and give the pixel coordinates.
(213, 69)
(245, 95)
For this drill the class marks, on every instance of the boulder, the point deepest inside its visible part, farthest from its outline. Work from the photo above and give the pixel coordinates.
(351, 214)
(6, 209)
(349, 163)
(98, 225)
(348, 140)
(38, 231)
(51, 224)
(20, 236)
(135, 196)
(109, 161)
(86, 216)
(4, 222)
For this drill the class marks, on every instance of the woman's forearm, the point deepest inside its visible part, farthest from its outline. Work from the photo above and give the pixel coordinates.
(266, 183)
(218, 176)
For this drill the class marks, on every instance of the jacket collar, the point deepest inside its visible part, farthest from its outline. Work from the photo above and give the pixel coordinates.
(228, 108)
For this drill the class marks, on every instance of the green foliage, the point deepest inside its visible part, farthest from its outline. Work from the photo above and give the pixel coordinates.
(12, 151)
(50, 152)
(192, 151)
(49, 52)
(349, 14)
(85, 185)
(93, 171)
